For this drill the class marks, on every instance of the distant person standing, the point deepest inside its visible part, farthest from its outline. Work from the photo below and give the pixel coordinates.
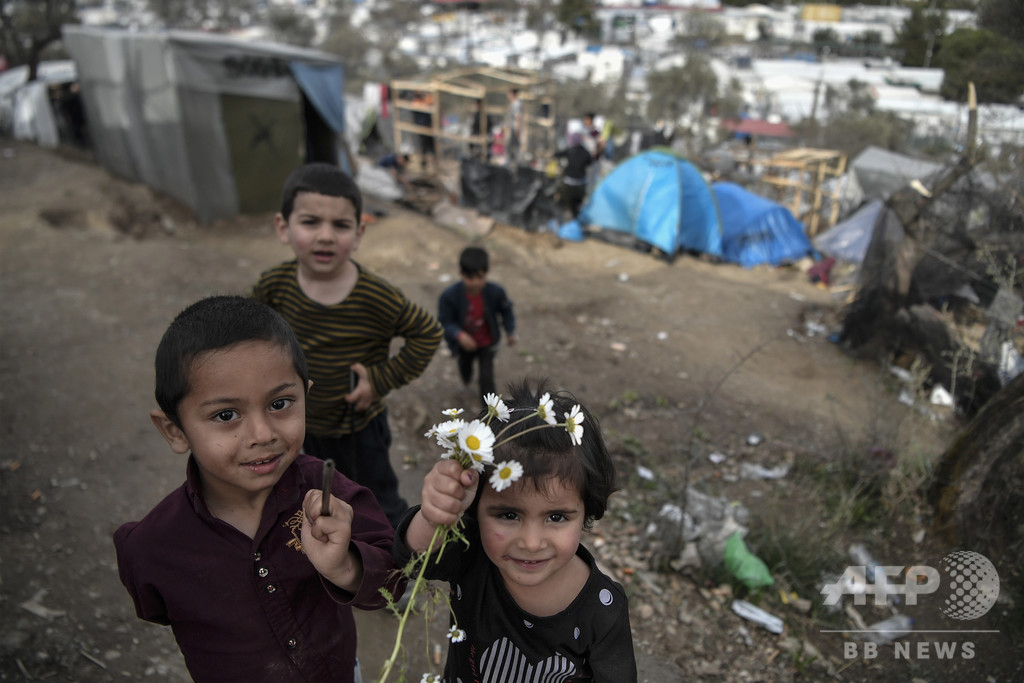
(593, 142)
(473, 313)
(573, 188)
(513, 128)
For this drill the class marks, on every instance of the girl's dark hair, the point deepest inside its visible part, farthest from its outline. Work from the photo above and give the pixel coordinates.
(549, 452)
(213, 323)
(320, 178)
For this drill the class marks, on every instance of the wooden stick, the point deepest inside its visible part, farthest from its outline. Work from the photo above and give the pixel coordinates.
(325, 499)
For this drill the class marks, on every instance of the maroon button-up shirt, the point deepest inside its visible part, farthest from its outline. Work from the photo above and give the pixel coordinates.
(254, 609)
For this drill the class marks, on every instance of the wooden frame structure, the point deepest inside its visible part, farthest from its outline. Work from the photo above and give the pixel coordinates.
(800, 179)
(477, 98)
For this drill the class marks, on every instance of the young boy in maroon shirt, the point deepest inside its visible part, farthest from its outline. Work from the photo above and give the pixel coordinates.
(254, 572)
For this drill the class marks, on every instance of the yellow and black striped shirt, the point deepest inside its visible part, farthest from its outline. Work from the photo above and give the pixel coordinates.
(359, 329)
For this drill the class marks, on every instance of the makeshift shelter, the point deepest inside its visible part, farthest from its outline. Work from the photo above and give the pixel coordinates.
(806, 180)
(758, 231)
(660, 200)
(877, 173)
(212, 121)
(455, 113)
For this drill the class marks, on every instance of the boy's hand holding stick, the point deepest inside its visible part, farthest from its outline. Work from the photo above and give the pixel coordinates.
(328, 480)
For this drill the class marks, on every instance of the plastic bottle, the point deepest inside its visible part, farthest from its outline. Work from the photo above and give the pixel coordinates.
(890, 629)
(860, 555)
(757, 615)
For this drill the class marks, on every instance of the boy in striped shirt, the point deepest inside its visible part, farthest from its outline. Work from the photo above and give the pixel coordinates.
(345, 318)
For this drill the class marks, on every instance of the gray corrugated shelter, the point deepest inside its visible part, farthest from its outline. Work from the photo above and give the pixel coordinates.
(215, 122)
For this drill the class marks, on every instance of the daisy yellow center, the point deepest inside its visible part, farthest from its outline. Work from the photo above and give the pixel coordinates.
(506, 472)
(473, 442)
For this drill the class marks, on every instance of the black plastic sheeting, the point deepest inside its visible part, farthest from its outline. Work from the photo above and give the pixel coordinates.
(519, 196)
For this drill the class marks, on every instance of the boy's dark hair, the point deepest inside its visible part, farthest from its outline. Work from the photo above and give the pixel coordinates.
(474, 261)
(550, 452)
(325, 179)
(213, 323)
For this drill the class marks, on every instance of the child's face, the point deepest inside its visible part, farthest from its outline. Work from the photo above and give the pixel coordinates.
(243, 419)
(475, 282)
(323, 231)
(532, 535)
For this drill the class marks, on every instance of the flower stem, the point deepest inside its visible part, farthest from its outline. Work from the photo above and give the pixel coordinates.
(534, 428)
(386, 670)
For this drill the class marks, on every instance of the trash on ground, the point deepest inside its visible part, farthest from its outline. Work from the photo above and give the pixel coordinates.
(890, 629)
(752, 471)
(757, 615)
(33, 606)
(744, 565)
(941, 397)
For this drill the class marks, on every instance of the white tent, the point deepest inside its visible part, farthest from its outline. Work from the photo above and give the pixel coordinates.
(26, 111)
(215, 122)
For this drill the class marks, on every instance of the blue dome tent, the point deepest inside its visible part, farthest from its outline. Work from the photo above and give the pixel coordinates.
(757, 230)
(661, 200)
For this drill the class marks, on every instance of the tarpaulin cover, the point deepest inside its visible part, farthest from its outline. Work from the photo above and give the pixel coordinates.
(849, 239)
(661, 200)
(756, 230)
(517, 196)
(880, 172)
(325, 88)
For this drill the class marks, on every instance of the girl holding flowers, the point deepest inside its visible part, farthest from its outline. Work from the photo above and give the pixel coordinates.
(528, 601)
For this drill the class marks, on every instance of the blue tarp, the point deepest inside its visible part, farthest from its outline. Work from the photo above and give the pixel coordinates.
(324, 87)
(661, 200)
(757, 230)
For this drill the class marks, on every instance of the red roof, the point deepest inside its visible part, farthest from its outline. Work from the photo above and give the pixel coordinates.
(758, 128)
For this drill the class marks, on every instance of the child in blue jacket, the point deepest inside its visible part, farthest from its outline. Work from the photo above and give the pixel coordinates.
(473, 313)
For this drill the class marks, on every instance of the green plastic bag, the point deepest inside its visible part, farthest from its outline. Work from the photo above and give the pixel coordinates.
(744, 565)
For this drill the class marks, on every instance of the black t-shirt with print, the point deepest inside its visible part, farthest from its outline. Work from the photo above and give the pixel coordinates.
(590, 640)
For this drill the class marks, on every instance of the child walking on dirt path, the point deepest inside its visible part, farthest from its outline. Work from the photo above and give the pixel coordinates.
(345, 318)
(473, 313)
(525, 592)
(253, 570)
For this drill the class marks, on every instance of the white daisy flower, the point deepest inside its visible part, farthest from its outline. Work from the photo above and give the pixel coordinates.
(430, 678)
(496, 407)
(505, 473)
(574, 424)
(452, 412)
(477, 441)
(456, 634)
(546, 409)
(447, 433)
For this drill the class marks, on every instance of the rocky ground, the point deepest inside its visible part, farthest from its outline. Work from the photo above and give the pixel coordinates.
(703, 375)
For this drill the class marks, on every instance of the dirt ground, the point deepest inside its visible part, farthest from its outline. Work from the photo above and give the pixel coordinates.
(94, 268)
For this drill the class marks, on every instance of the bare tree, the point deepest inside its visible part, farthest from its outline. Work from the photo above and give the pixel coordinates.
(28, 28)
